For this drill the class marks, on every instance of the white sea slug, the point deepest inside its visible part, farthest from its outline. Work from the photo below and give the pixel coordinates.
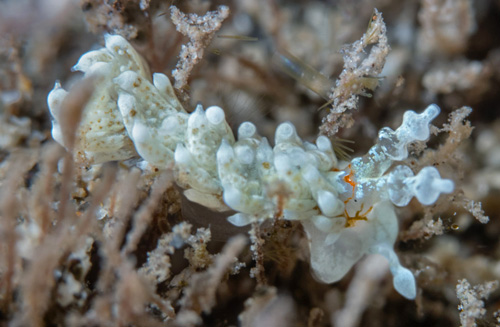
(347, 211)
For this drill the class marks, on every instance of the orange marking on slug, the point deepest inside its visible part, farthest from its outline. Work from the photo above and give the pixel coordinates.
(350, 221)
(349, 180)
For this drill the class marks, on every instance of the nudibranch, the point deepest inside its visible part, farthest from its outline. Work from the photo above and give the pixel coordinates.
(347, 209)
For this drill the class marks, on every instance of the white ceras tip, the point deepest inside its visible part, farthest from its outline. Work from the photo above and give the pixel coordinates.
(197, 117)
(90, 58)
(323, 143)
(55, 100)
(428, 185)
(417, 125)
(329, 204)
(225, 154)
(244, 154)
(404, 283)
(233, 198)
(140, 133)
(284, 132)
(126, 103)
(160, 81)
(170, 125)
(57, 133)
(128, 80)
(239, 219)
(432, 111)
(282, 163)
(182, 155)
(114, 41)
(215, 115)
(246, 130)
(99, 69)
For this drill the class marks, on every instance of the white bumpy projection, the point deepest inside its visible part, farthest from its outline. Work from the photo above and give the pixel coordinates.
(346, 208)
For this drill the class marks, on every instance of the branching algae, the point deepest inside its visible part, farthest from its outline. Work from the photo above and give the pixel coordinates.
(347, 209)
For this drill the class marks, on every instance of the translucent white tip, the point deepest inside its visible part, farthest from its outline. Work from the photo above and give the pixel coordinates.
(284, 132)
(246, 130)
(244, 154)
(404, 283)
(215, 115)
(140, 133)
(324, 144)
(182, 154)
(239, 219)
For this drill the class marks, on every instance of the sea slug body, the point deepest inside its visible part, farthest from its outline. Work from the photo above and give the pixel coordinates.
(347, 210)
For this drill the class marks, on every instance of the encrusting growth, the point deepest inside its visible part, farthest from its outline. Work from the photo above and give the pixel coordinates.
(347, 209)
(200, 31)
(359, 75)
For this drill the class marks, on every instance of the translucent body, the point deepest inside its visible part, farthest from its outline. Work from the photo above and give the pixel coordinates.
(346, 212)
